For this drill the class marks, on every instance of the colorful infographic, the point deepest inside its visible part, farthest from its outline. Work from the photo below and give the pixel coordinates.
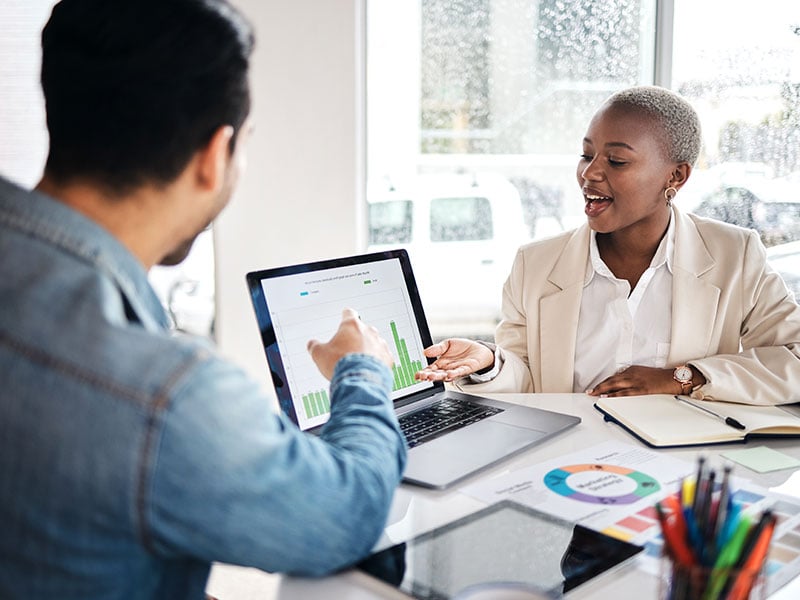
(613, 493)
(601, 483)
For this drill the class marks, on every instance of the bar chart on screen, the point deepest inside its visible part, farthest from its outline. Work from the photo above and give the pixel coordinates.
(404, 369)
(310, 307)
(316, 403)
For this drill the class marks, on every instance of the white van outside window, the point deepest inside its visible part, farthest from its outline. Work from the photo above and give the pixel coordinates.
(461, 232)
(465, 219)
(390, 222)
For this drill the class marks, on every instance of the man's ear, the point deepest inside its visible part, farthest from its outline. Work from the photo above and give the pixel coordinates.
(680, 175)
(212, 159)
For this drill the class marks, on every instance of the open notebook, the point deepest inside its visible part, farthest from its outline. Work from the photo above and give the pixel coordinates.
(661, 420)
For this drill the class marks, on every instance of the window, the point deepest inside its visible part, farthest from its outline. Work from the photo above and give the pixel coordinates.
(743, 76)
(390, 222)
(464, 219)
(187, 290)
(507, 87)
(515, 77)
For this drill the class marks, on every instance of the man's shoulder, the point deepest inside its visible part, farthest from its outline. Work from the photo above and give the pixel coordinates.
(70, 324)
(154, 364)
(102, 358)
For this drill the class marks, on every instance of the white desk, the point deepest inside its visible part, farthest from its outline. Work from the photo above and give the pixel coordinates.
(415, 511)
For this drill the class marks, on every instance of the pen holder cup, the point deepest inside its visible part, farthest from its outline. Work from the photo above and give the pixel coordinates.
(706, 583)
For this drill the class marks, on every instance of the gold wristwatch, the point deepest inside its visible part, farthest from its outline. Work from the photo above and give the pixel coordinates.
(683, 375)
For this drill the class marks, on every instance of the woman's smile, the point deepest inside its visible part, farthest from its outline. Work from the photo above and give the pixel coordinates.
(595, 203)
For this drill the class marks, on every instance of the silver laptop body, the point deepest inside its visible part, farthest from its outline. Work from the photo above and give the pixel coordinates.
(296, 303)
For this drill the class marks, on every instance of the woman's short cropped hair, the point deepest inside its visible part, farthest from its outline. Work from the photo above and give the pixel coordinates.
(673, 114)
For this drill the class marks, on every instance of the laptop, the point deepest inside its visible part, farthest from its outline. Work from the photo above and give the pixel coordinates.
(451, 435)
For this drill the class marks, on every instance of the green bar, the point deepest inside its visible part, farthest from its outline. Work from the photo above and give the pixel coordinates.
(320, 405)
(406, 364)
(396, 372)
(326, 401)
(307, 405)
(417, 366)
(396, 338)
(398, 344)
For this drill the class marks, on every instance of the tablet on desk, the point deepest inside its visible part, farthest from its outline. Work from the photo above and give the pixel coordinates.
(505, 543)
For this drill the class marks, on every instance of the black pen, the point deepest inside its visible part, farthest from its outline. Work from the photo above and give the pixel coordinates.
(730, 421)
(701, 461)
(706, 518)
(722, 505)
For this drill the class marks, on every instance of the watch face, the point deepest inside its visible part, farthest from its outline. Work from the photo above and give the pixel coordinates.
(683, 374)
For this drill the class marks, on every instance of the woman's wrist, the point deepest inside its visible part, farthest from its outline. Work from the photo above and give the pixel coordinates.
(489, 372)
(698, 379)
(493, 350)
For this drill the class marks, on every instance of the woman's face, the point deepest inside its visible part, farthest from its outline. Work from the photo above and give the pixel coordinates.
(623, 171)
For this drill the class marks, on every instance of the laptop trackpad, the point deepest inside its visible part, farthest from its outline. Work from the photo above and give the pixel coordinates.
(455, 455)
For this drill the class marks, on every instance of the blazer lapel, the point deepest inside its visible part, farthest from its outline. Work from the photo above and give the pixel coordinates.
(694, 300)
(559, 311)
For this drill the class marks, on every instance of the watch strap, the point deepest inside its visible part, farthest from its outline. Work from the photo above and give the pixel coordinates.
(686, 385)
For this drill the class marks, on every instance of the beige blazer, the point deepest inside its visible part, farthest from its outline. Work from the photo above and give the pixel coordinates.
(732, 316)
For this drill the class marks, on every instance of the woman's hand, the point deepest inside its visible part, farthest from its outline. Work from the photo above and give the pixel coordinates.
(637, 380)
(455, 357)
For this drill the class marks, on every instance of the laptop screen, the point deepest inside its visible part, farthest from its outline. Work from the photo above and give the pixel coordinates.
(301, 302)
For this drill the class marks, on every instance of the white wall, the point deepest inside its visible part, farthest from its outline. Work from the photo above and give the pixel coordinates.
(302, 196)
(23, 135)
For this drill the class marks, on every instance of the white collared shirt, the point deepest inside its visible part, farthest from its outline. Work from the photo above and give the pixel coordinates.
(618, 327)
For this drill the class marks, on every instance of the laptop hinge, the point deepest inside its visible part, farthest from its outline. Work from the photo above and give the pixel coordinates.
(401, 402)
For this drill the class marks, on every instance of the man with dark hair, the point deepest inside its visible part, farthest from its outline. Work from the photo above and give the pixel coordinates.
(130, 459)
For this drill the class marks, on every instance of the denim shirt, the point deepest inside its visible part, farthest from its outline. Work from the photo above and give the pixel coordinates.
(131, 458)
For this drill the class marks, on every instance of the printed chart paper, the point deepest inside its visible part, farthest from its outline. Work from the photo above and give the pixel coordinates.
(595, 487)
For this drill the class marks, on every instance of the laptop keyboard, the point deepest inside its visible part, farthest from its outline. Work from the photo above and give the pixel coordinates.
(442, 417)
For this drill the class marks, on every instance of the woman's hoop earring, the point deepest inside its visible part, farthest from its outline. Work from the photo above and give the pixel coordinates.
(670, 194)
